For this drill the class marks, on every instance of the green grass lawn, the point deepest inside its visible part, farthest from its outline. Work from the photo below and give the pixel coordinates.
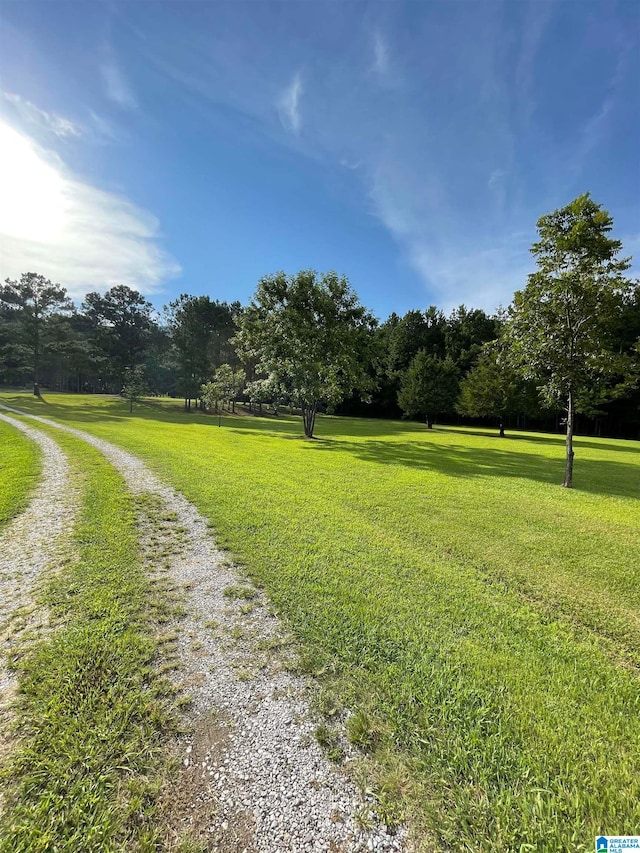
(19, 471)
(482, 621)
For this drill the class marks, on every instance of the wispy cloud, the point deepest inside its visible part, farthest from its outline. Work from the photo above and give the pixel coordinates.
(104, 129)
(381, 60)
(537, 17)
(289, 105)
(597, 126)
(496, 178)
(465, 152)
(117, 86)
(84, 237)
(484, 277)
(457, 259)
(31, 114)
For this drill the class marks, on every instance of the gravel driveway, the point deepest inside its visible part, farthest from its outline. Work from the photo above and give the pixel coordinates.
(28, 543)
(253, 777)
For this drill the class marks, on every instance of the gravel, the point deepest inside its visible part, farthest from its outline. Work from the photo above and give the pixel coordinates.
(28, 543)
(253, 776)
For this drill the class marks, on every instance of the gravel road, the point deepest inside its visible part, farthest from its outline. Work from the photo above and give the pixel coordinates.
(253, 777)
(28, 543)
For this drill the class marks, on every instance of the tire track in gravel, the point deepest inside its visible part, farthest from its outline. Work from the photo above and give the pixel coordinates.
(253, 778)
(28, 545)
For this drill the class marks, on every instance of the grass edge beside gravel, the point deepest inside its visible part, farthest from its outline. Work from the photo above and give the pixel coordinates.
(455, 702)
(20, 471)
(93, 718)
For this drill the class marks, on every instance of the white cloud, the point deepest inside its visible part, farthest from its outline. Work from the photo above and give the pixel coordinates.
(81, 236)
(289, 105)
(117, 86)
(32, 114)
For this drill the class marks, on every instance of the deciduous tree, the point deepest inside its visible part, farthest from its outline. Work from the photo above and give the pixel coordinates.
(561, 326)
(493, 389)
(429, 387)
(309, 332)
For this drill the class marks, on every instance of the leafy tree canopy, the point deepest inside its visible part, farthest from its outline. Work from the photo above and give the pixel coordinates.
(429, 387)
(561, 326)
(26, 306)
(121, 322)
(492, 388)
(311, 333)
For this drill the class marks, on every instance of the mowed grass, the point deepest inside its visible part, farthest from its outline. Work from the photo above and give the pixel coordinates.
(482, 623)
(19, 471)
(86, 768)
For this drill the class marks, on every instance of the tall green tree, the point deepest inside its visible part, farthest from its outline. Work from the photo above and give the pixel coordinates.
(561, 326)
(121, 323)
(201, 330)
(309, 332)
(27, 306)
(429, 387)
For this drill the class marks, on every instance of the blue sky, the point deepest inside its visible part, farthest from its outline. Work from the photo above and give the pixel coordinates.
(195, 146)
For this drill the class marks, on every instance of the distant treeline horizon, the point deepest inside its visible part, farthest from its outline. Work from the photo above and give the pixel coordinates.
(91, 347)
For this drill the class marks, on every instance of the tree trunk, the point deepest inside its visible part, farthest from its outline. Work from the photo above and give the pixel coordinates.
(36, 360)
(130, 405)
(309, 418)
(429, 422)
(568, 471)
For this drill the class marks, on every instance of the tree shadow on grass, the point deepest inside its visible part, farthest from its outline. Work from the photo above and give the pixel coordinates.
(606, 477)
(599, 476)
(106, 408)
(603, 444)
(97, 408)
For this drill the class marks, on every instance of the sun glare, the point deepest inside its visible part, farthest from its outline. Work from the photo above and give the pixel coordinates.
(32, 202)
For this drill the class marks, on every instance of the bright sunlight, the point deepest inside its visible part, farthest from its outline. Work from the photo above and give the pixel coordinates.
(32, 201)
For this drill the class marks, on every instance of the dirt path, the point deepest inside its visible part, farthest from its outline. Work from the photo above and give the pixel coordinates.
(253, 776)
(28, 544)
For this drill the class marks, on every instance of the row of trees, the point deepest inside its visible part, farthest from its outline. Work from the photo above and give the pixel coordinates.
(568, 344)
(101, 344)
(46, 339)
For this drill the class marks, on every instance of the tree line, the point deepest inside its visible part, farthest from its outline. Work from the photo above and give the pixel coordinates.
(568, 346)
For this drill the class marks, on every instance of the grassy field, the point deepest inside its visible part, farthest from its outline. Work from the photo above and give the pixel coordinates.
(482, 623)
(19, 471)
(90, 756)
